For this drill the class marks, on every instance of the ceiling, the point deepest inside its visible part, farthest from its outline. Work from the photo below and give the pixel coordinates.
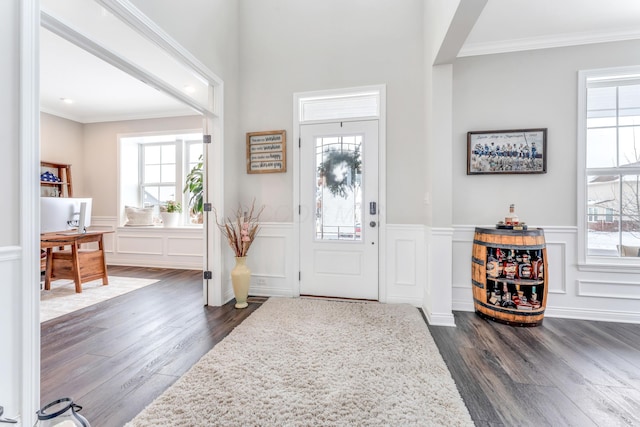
(100, 92)
(513, 25)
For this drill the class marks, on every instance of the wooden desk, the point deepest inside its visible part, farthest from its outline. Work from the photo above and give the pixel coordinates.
(81, 265)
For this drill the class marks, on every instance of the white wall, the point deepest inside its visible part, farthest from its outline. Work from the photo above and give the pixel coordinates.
(10, 298)
(290, 46)
(9, 116)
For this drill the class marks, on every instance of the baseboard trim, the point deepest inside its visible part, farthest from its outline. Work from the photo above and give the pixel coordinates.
(154, 264)
(593, 314)
(403, 300)
(459, 305)
(440, 319)
(263, 291)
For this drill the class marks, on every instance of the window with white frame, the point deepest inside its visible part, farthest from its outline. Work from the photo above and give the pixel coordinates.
(153, 171)
(610, 162)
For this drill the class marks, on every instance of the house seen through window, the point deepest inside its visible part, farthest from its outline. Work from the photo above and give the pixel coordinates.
(153, 171)
(612, 163)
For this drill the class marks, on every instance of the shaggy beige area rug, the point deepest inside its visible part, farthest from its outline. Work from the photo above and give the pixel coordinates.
(63, 299)
(309, 362)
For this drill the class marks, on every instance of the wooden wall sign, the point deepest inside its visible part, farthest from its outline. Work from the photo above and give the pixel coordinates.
(267, 151)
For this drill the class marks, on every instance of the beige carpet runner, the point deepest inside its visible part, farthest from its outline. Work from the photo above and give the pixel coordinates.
(63, 299)
(309, 362)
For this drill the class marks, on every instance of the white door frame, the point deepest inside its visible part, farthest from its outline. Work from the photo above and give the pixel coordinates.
(382, 175)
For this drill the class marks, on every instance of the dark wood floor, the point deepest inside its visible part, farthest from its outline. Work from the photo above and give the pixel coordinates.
(116, 357)
(561, 373)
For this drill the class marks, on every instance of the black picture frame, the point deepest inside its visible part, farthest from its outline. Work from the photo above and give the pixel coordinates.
(516, 151)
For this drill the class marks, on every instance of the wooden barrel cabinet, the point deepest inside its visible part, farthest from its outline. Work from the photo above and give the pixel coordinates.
(509, 275)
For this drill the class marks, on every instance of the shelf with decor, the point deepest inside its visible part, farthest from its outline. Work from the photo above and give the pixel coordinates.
(55, 180)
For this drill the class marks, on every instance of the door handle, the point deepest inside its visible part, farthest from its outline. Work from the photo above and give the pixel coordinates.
(372, 224)
(373, 208)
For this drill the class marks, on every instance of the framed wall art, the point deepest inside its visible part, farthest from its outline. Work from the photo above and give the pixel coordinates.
(267, 151)
(518, 151)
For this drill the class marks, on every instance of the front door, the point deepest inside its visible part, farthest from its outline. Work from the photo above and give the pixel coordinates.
(339, 209)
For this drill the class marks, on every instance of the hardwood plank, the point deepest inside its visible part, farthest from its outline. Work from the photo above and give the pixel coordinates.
(451, 342)
(579, 372)
(115, 357)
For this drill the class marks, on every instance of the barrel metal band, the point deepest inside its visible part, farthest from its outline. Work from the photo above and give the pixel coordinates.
(477, 261)
(507, 311)
(505, 246)
(478, 284)
(507, 232)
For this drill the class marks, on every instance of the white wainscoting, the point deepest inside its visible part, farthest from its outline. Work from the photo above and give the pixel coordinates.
(11, 328)
(165, 247)
(440, 266)
(271, 260)
(405, 264)
(606, 295)
(591, 295)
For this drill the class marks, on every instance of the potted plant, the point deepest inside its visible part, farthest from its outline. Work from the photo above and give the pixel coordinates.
(194, 187)
(170, 213)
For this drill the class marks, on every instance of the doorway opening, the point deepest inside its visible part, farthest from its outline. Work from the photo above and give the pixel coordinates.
(163, 68)
(208, 108)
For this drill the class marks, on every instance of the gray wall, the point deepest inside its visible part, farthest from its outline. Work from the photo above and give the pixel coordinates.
(265, 51)
(290, 46)
(525, 90)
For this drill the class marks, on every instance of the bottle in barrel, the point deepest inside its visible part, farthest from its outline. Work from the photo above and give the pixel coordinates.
(537, 267)
(525, 270)
(510, 267)
(492, 264)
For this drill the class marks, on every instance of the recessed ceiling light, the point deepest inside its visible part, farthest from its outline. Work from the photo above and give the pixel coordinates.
(189, 89)
(66, 100)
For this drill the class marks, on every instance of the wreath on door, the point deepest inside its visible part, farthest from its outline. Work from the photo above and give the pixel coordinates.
(338, 184)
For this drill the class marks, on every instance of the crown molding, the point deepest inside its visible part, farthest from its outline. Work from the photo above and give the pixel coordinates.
(547, 42)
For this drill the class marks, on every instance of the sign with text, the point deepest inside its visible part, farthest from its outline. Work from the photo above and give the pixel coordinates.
(267, 152)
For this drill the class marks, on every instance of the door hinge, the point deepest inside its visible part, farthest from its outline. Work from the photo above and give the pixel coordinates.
(299, 275)
(207, 207)
(299, 142)
(208, 275)
(299, 209)
(206, 139)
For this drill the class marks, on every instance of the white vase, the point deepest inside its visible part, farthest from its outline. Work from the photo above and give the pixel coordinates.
(170, 219)
(240, 278)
